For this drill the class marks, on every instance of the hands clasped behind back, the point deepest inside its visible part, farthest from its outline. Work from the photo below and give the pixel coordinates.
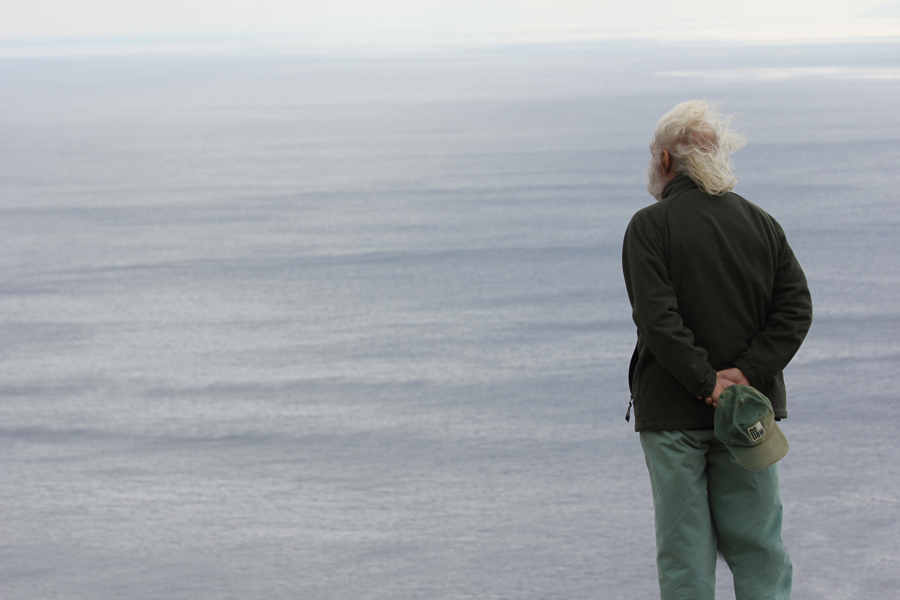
(724, 380)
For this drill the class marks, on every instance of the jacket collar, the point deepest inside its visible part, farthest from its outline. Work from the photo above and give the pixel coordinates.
(680, 183)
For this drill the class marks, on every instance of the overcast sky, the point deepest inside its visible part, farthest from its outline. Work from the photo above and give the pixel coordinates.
(64, 18)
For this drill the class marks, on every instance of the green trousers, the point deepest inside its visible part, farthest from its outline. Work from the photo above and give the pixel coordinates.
(704, 501)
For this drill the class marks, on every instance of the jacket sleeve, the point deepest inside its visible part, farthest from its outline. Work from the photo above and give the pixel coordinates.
(655, 311)
(789, 319)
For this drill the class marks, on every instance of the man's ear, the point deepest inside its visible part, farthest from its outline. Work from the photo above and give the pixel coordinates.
(666, 162)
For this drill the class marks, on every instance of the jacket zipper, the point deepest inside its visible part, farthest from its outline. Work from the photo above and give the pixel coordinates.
(631, 369)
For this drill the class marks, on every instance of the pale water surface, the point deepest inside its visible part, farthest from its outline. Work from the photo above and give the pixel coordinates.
(353, 326)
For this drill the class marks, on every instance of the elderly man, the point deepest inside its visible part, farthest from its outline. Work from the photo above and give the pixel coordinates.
(718, 299)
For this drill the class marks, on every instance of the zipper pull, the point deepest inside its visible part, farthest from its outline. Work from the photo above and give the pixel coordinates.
(628, 412)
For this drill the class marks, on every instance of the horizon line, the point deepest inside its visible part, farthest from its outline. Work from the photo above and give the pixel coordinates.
(690, 32)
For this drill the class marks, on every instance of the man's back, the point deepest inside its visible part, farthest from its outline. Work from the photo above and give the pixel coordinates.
(714, 284)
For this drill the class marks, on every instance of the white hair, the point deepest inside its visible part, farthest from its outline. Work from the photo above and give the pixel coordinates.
(699, 139)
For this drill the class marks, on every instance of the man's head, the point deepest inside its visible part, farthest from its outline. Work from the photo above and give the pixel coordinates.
(693, 138)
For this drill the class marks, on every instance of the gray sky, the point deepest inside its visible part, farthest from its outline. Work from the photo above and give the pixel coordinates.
(63, 18)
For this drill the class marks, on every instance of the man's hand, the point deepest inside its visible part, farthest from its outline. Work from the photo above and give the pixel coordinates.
(724, 380)
(734, 375)
(721, 386)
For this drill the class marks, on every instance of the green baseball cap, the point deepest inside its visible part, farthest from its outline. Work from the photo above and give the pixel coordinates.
(745, 423)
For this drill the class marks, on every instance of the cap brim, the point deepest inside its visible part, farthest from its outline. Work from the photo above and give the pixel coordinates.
(766, 454)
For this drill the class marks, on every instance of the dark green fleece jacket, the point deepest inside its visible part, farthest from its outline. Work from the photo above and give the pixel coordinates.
(713, 284)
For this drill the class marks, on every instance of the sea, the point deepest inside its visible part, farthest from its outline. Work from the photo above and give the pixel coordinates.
(350, 324)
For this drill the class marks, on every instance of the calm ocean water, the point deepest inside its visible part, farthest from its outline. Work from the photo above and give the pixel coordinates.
(353, 326)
